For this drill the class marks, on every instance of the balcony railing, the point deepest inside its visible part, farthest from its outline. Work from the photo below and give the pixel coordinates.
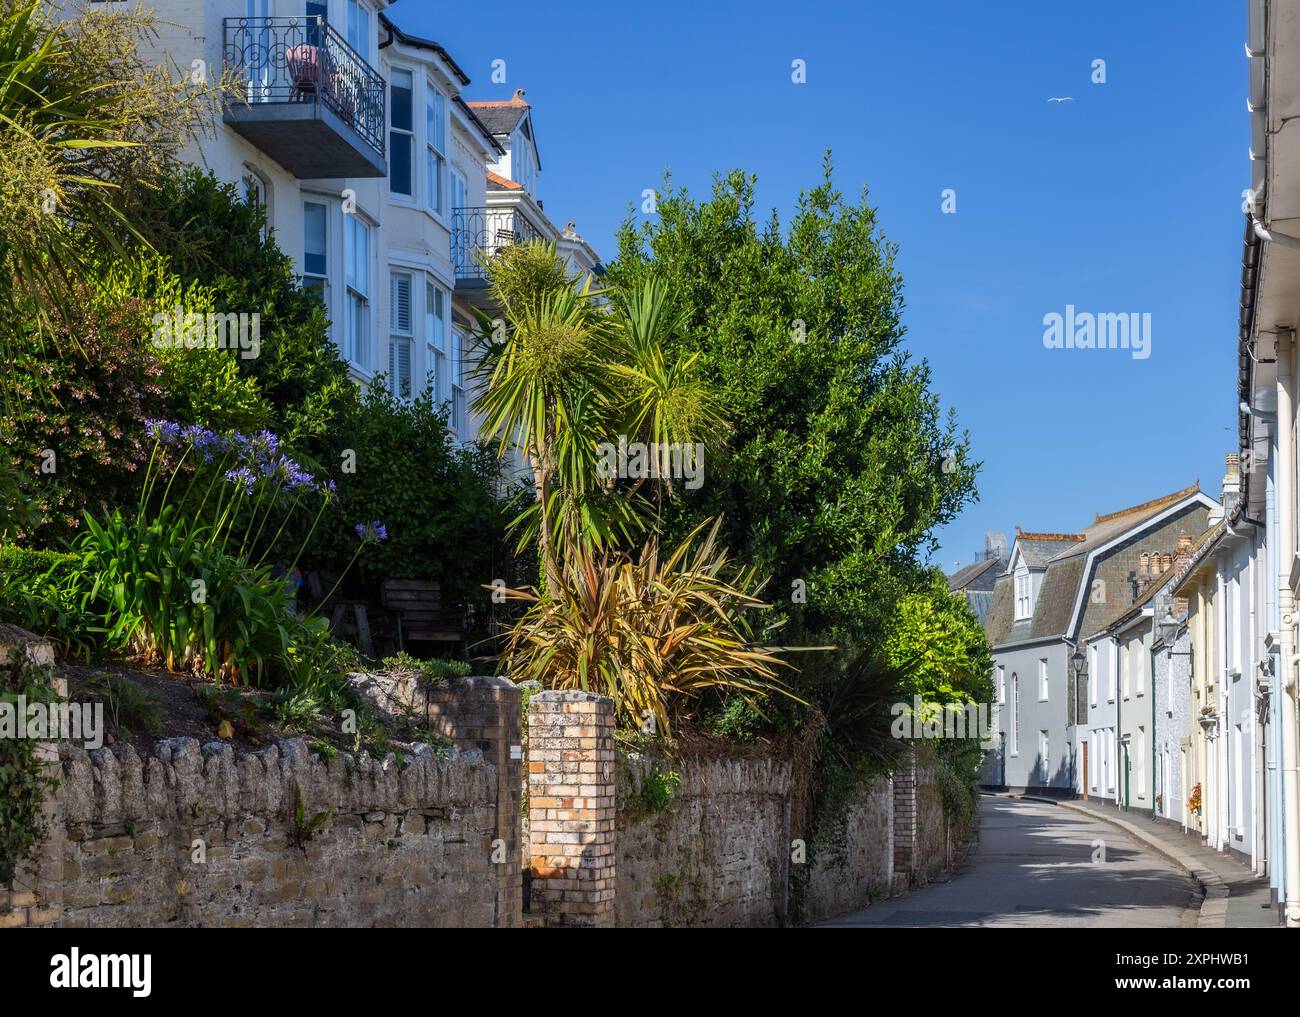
(481, 232)
(293, 67)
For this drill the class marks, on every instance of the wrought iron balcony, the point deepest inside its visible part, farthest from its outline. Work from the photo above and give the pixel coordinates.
(481, 232)
(310, 101)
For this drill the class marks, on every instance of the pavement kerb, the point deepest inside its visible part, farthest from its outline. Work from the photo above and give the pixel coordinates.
(1214, 905)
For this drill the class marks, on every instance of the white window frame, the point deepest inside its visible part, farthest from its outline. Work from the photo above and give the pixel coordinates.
(435, 340)
(402, 197)
(1044, 680)
(459, 397)
(459, 185)
(436, 113)
(399, 335)
(361, 35)
(1024, 594)
(1044, 757)
(1015, 714)
(1093, 676)
(1000, 680)
(358, 350)
(324, 278)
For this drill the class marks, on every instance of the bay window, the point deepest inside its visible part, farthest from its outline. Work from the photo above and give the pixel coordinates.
(401, 133)
(315, 247)
(401, 334)
(356, 319)
(435, 117)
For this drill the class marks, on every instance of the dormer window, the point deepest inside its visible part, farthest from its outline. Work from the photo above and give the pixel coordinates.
(1024, 594)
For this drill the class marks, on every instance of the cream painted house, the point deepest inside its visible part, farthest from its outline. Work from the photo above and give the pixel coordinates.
(375, 172)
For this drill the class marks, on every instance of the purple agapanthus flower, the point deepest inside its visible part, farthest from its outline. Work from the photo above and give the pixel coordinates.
(373, 532)
(164, 431)
(206, 442)
(242, 476)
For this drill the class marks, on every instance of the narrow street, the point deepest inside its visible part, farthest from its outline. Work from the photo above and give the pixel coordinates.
(1033, 868)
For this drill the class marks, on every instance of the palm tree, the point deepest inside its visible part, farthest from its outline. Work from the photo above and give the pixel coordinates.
(570, 375)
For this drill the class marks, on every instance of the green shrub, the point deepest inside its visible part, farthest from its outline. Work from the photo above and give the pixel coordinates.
(210, 236)
(659, 788)
(24, 784)
(438, 501)
(28, 565)
(85, 407)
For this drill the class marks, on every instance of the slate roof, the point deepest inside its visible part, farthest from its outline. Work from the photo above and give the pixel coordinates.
(966, 575)
(997, 623)
(500, 117)
(1106, 528)
(1063, 557)
(980, 601)
(1055, 599)
(1039, 548)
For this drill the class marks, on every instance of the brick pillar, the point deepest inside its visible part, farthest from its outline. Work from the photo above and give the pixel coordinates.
(36, 897)
(483, 713)
(905, 817)
(571, 789)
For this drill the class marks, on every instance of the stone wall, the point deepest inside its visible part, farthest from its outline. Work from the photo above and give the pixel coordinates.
(723, 852)
(852, 863)
(185, 834)
(716, 856)
(196, 835)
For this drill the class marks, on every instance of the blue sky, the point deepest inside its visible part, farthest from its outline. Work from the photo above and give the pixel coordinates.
(1127, 199)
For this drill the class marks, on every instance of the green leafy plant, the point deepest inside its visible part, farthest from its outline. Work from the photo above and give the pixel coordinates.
(658, 789)
(567, 378)
(24, 781)
(130, 706)
(305, 829)
(437, 498)
(652, 633)
(835, 475)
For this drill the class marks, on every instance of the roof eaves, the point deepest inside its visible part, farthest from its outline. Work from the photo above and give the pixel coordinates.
(419, 43)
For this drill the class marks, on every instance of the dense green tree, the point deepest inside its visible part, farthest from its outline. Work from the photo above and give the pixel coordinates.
(936, 637)
(841, 462)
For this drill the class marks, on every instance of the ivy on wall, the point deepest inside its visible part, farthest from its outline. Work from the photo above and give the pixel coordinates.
(24, 783)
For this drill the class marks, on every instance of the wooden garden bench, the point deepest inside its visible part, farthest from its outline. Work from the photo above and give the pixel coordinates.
(421, 614)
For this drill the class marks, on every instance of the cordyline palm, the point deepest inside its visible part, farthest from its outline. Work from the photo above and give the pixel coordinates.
(652, 634)
(542, 391)
(569, 376)
(664, 401)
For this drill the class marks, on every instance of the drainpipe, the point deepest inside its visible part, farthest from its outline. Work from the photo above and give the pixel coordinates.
(1155, 624)
(1287, 611)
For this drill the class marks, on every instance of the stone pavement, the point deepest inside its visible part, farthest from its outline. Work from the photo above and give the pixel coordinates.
(1235, 897)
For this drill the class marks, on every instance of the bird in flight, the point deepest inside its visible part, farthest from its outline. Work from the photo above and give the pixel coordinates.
(1061, 98)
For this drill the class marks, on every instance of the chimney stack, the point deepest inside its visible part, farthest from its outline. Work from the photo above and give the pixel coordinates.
(1231, 482)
